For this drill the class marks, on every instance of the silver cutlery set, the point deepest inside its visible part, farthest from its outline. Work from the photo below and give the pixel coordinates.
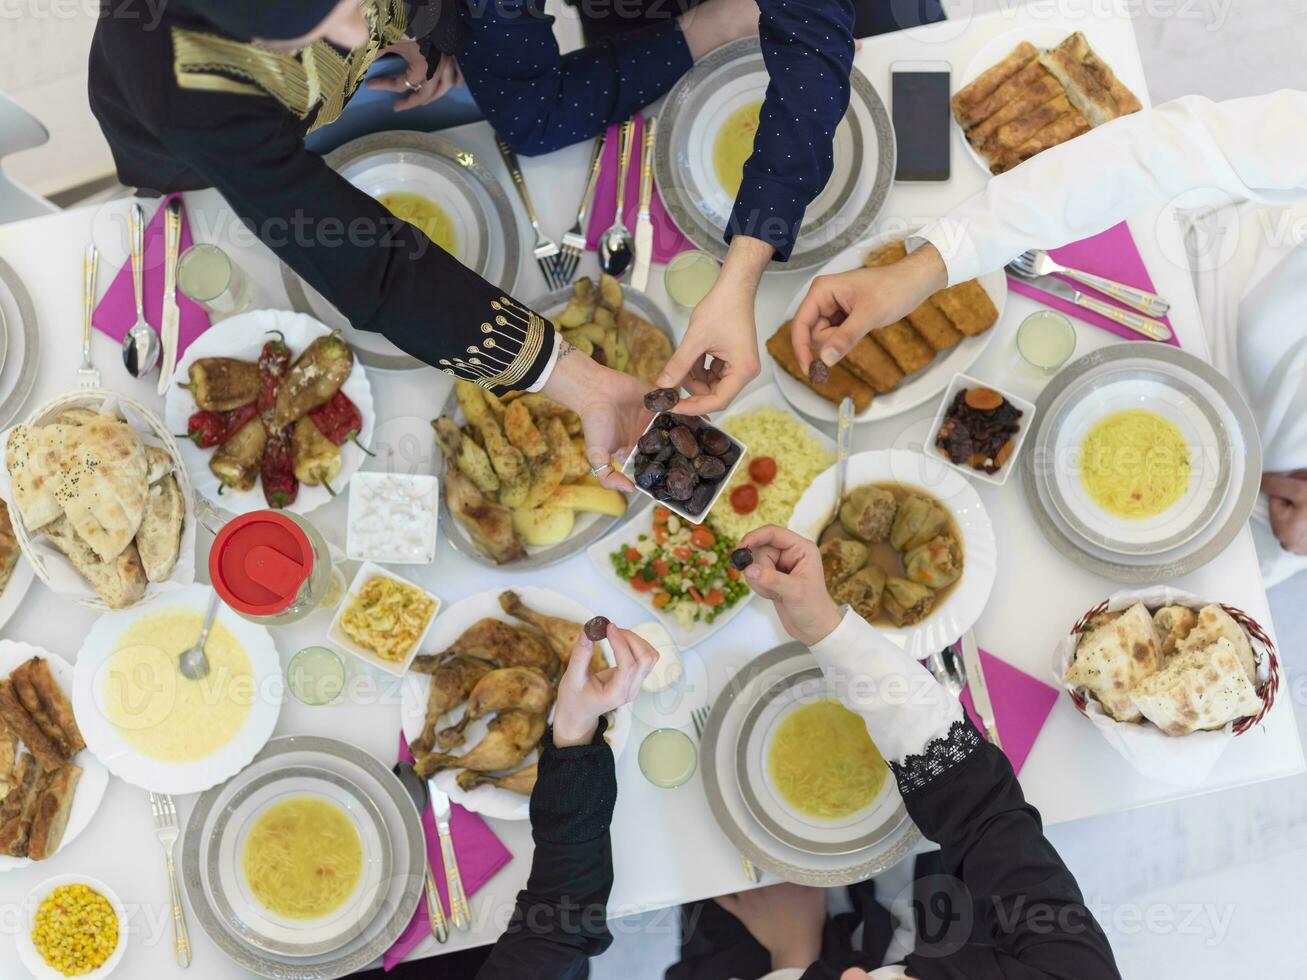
(620, 252)
(425, 793)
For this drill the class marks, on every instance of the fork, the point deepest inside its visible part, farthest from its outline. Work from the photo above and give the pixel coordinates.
(1037, 262)
(573, 244)
(700, 718)
(165, 828)
(87, 375)
(546, 250)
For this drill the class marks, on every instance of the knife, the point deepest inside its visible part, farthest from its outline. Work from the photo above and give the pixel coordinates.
(172, 238)
(979, 688)
(440, 809)
(416, 787)
(1140, 324)
(643, 224)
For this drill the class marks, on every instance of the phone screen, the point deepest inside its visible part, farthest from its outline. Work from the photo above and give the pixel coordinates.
(921, 124)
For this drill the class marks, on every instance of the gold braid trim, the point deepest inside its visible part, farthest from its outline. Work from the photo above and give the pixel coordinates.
(515, 335)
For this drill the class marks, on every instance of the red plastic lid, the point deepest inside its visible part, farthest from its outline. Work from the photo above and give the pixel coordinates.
(259, 562)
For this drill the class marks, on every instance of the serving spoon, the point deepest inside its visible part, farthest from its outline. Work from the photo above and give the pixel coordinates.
(193, 663)
(617, 244)
(141, 345)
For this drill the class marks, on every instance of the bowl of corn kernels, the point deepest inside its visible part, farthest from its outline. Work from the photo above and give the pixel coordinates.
(75, 927)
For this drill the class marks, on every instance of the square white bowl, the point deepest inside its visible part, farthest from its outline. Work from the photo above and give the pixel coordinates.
(429, 487)
(341, 639)
(959, 382)
(628, 469)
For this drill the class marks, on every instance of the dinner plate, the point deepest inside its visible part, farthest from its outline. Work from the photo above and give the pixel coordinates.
(243, 337)
(395, 903)
(106, 741)
(486, 235)
(921, 387)
(233, 895)
(717, 757)
(963, 605)
(1245, 465)
(493, 801)
(22, 344)
(701, 101)
(19, 582)
(1179, 403)
(589, 527)
(863, 829)
(1043, 36)
(95, 777)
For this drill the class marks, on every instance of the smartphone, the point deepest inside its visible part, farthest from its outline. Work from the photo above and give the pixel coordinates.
(919, 104)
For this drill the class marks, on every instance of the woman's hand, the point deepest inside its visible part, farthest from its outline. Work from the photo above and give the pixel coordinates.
(584, 697)
(787, 570)
(447, 75)
(713, 23)
(1288, 502)
(840, 310)
(786, 920)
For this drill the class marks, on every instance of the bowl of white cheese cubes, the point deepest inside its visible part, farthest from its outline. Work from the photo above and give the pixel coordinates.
(392, 518)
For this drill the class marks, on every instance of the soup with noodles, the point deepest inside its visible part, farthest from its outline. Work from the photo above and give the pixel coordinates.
(1134, 463)
(303, 857)
(734, 145)
(823, 763)
(422, 213)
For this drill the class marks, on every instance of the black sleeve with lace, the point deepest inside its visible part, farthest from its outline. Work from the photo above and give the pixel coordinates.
(1011, 909)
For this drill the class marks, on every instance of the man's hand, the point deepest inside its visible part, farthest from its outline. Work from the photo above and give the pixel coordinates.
(840, 310)
(787, 570)
(786, 919)
(723, 328)
(447, 76)
(1288, 501)
(584, 697)
(713, 23)
(611, 406)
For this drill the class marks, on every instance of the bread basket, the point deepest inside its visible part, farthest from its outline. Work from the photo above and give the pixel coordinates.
(50, 566)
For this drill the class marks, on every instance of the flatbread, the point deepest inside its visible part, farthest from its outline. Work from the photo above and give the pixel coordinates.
(1201, 690)
(1214, 623)
(103, 484)
(1173, 624)
(120, 583)
(1112, 659)
(159, 539)
(32, 458)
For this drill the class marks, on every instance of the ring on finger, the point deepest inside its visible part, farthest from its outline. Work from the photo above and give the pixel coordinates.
(596, 470)
(411, 86)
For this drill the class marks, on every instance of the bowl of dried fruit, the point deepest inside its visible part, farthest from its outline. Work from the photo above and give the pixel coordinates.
(979, 429)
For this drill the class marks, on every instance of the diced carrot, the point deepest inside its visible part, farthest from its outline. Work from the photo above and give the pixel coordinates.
(660, 568)
(640, 585)
(714, 598)
(660, 534)
(701, 537)
(682, 552)
(695, 594)
(661, 514)
(633, 554)
(661, 599)
(732, 574)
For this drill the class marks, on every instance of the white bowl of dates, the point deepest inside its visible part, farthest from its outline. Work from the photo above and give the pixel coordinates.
(979, 430)
(682, 461)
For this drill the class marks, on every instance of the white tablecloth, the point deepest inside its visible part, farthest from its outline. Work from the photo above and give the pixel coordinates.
(667, 850)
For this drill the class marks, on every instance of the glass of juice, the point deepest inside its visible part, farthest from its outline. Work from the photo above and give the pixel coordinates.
(689, 276)
(207, 275)
(668, 757)
(316, 675)
(1046, 340)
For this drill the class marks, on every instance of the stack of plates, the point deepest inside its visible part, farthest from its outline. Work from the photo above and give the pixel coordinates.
(1224, 454)
(20, 345)
(753, 814)
(364, 926)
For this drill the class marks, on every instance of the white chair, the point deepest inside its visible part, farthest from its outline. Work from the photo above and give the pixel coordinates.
(19, 130)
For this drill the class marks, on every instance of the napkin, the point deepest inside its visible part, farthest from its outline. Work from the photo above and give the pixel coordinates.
(667, 238)
(1112, 254)
(1021, 705)
(480, 856)
(116, 312)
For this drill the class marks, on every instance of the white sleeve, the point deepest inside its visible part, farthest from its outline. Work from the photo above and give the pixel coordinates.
(1211, 152)
(552, 363)
(904, 707)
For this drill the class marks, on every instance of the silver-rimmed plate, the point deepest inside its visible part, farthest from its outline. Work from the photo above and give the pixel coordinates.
(858, 831)
(729, 79)
(486, 236)
(589, 527)
(717, 761)
(234, 895)
(1231, 516)
(394, 906)
(22, 339)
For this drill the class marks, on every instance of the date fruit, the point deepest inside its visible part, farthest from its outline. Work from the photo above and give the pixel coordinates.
(661, 399)
(742, 558)
(596, 629)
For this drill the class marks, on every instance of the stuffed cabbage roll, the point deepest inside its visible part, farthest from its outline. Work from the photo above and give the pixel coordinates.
(840, 558)
(905, 602)
(917, 521)
(936, 563)
(862, 591)
(868, 513)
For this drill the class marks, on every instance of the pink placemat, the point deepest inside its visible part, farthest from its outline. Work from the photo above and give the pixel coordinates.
(480, 856)
(1112, 254)
(667, 238)
(116, 313)
(1021, 706)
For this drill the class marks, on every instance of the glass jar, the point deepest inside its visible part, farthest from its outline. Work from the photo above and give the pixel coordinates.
(273, 568)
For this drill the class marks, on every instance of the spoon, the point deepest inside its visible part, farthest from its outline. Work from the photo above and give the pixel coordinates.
(193, 663)
(617, 244)
(843, 437)
(947, 668)
(416, 787)
(141, 345)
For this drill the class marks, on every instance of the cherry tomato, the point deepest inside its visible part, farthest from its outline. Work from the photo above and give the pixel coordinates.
(744, 499)
(762, 470)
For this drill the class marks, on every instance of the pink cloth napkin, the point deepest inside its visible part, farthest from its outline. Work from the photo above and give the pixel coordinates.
(1021, 706)
(1112, 254)
(480, 856)
(116, 313)
(667, 238)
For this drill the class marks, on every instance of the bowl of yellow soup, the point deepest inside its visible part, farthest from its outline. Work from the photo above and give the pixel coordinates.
(161, 731)
(297, 859)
